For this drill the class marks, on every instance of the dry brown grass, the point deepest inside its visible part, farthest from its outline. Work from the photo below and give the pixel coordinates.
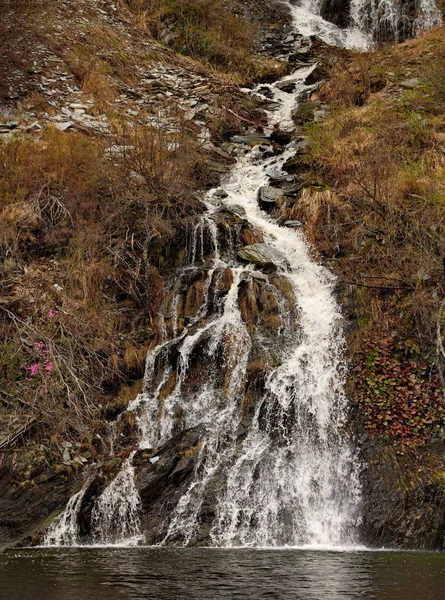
(216, 33)
(83, 234)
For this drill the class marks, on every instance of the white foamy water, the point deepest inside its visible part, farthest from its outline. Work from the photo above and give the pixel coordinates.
(65, 529)
(115, 517)
(368, 20)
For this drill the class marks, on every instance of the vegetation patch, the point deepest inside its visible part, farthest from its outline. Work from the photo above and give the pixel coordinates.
(399, 392)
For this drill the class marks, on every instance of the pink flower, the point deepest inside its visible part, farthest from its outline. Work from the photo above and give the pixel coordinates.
(33, 369)
(53, 313)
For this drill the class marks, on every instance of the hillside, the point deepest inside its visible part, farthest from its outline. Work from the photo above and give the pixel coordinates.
(116, 118)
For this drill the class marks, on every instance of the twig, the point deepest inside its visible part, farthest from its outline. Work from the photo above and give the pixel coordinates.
(377, 287)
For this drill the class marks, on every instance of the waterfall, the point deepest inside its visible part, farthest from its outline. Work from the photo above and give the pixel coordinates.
(115, 518)
(272, 470)
(65, 529)
(366, 21)
(292, 478)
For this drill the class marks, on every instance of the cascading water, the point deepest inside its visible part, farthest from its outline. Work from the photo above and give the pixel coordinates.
(270, 470)
(115, 517)
(367, 20)
(287, 476)
(65, 530)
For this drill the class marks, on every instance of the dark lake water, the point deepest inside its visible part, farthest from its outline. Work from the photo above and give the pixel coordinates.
(201, 574)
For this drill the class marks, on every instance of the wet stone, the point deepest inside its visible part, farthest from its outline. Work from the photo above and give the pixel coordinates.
(220, 193)
(262, 254)
(268, 196)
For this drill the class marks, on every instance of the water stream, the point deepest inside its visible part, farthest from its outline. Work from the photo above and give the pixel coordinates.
(287, 475)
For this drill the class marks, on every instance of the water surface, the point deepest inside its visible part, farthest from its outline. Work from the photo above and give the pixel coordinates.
(207, 574)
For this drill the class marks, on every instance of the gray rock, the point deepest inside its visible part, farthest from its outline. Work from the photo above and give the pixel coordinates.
(258, 276)
(220, 193)
(262, 255)
(410, 83)
(273, 106)
(336, 11)
(236, 209)
(293, 224)
(64, 126)
(250, 139)
(286, 86)
(276, 176)
(267, 196)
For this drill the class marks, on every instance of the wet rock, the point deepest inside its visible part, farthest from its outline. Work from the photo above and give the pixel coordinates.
(286, 86)
(293, 224)
(250, 235)
(258, 276)
(248, 303)
(401, 509)
(317, 75)
(273, 106)
(276, 176)
(220, 193)
(269, 310)
(336, 11)
(265, 91)
(262, 255)
(236, 209)
(251, 139)
(161, 483)
(279, 136)
(194, 298)
(306, 94)
(267, 197)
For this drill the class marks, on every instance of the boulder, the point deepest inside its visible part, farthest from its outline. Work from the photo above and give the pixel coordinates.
(250, 139)
(277, 176)
(267, 197)
(262, 255)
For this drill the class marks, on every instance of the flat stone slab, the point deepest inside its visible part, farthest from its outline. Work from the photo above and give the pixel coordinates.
(262, 255)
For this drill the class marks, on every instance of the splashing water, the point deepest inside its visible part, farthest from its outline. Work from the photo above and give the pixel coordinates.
(294, 478)
(286, 476)
(369, 20)
(65, 529)
(115, 517)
